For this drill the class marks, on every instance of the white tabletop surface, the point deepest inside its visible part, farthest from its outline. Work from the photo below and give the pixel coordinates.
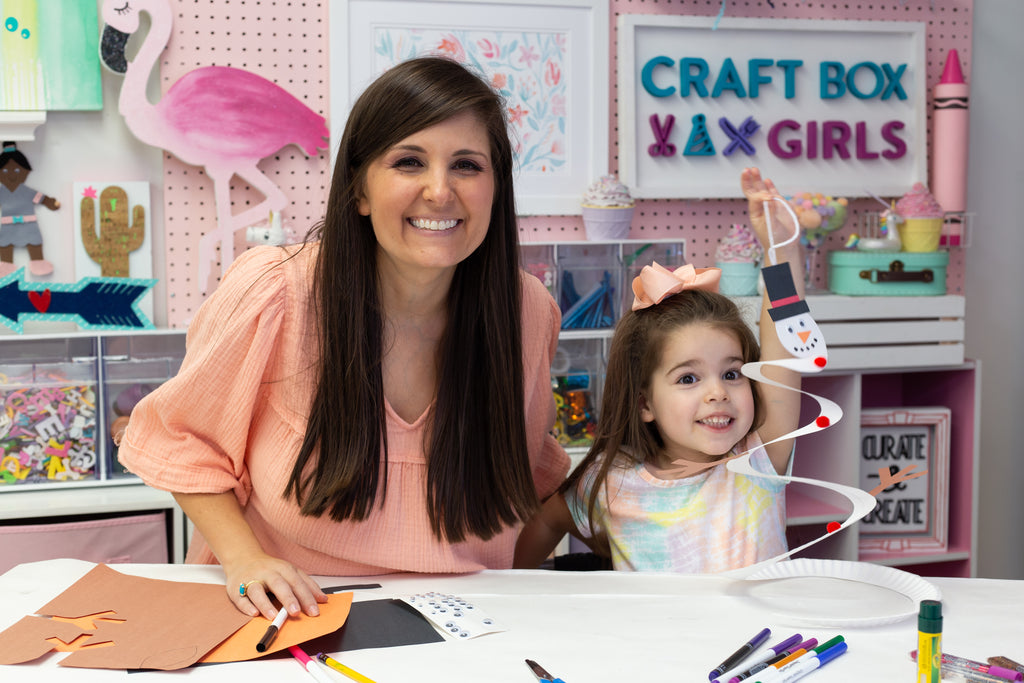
(589, 627)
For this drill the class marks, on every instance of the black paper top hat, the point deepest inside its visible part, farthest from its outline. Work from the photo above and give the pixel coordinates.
(778, 282)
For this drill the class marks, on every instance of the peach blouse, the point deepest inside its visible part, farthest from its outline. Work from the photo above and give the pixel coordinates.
(233, 418)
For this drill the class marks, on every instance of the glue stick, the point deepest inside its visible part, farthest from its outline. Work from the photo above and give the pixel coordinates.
(929, 642)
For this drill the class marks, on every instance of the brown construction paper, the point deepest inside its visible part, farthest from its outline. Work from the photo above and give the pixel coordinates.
(241, 645)
(166, 624)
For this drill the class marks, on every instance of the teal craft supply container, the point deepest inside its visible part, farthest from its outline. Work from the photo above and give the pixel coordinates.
(867, 273)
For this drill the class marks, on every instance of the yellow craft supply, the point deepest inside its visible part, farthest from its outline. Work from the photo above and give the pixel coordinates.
(929, 642)
(338, 666)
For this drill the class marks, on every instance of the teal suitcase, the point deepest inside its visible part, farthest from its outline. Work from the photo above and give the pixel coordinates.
(894, 273)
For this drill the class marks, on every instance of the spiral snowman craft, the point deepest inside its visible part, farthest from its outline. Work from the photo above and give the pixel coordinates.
(801, 335)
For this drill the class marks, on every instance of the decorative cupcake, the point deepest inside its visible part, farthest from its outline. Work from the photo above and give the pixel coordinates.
(739, 256)
(922, 220)
(607, 209)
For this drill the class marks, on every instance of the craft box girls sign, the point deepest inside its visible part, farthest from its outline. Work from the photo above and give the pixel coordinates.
(912, 513)
(837, 107)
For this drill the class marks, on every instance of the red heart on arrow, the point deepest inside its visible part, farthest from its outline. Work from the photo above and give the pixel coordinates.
(41, 300)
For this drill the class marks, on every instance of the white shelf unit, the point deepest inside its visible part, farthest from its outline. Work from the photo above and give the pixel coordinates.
(883, 352)
(114, 358)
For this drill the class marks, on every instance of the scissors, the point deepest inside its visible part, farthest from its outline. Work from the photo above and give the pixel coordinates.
(541, 673)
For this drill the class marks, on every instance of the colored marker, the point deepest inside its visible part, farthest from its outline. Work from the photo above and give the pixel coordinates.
(816, 661)
(952, 665)
(780, 652)
(1006, 663)
(929, 641)
(950, 124)
(309, 665)
(786, 657)
(740, 654)
(783, 668)
(338, 666)
(271, 634)
(769, 653)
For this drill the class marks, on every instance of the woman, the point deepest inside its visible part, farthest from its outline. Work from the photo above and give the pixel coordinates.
(359, 405)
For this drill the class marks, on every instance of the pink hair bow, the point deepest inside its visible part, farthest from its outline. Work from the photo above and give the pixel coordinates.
(655, 282)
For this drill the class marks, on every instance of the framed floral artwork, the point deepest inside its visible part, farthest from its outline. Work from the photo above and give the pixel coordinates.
(549, 60)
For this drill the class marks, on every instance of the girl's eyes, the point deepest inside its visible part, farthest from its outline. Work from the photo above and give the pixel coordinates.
(687, 379)
(732, 374)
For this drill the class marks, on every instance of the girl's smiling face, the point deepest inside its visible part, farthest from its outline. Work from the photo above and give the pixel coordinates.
(699, 400)
(429, 196)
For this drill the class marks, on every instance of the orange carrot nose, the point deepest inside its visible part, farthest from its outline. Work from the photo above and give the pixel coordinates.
(803, 336)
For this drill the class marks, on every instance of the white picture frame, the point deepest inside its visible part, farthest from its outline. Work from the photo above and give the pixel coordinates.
(652, 171)
(913, 515)
(561, 139)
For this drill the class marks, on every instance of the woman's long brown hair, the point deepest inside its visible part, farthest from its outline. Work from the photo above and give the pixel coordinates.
(478, 473)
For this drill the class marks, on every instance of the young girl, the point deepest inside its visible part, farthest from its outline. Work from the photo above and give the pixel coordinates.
(653, 494)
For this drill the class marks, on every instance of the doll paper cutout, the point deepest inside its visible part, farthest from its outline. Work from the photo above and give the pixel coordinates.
(19, 225)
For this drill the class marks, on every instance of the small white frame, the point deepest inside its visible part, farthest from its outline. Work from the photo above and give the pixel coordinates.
(933, 423)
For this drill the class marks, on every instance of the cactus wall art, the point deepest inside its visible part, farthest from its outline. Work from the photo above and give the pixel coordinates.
(112, 231)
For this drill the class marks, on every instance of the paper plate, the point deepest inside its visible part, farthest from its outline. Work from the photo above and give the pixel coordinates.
(817, 592)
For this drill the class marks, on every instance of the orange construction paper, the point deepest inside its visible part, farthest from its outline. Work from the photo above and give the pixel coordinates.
(241, 645)
(166, 624)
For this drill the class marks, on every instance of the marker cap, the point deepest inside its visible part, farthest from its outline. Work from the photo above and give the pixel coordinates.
(929, 616)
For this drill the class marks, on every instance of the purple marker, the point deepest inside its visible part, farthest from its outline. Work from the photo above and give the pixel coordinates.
(740, 654)
(769, 653)
(808, 645)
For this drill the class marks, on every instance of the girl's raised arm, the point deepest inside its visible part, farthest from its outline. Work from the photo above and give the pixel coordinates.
(783, 406)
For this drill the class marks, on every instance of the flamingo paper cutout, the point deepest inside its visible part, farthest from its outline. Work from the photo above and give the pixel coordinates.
(221, 118)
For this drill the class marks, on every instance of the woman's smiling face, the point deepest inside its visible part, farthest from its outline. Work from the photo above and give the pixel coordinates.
(429, 196)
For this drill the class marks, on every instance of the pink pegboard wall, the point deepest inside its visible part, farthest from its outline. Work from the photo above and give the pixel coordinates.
(286, 41)
(704, 222)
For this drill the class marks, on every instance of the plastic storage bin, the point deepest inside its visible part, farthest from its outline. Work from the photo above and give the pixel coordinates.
(48, 415)
(577, 374)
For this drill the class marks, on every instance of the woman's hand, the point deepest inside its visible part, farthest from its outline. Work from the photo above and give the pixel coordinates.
(262, 576)
(218, 517)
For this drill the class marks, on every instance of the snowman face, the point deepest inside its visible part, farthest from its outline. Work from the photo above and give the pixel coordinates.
(800, 335)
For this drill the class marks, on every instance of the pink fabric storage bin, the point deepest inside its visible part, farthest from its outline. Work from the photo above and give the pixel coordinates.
(134, 538)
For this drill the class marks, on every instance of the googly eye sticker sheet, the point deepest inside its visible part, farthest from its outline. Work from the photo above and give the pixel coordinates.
(454, 616)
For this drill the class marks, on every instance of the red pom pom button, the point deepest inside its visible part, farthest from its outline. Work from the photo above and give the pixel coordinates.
(820, 361)
(833, 526)
(822, 421)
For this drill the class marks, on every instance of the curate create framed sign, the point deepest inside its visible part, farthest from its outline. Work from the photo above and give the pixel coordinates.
(912, 514)
(836, 107)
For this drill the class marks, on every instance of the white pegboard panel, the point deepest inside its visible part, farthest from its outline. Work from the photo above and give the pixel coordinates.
(287, 42)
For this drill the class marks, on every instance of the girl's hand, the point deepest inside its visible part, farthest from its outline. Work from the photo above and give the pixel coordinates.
(291, 587)
(759, 190)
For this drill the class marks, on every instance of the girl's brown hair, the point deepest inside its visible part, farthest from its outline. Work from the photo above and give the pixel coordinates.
(478, 473)
(635, 353)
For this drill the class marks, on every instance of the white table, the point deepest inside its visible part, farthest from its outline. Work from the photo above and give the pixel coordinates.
(590, 627)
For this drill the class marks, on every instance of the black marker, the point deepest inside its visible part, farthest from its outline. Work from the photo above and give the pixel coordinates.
(740, 654)
(275, 625)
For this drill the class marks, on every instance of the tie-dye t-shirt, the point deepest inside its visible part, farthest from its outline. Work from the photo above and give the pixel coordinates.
(714, 521)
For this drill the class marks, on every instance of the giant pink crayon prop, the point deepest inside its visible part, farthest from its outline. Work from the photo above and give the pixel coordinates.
(950, 117)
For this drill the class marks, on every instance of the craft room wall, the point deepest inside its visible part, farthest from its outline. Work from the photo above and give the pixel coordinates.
(287, 41)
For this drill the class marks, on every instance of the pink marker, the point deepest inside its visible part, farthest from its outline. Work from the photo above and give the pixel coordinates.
(950, 118)
(309, 665)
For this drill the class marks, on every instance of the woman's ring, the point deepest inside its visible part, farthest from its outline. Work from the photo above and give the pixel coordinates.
(243, 588)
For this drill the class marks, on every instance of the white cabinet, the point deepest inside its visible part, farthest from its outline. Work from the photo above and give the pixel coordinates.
(60, 395)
